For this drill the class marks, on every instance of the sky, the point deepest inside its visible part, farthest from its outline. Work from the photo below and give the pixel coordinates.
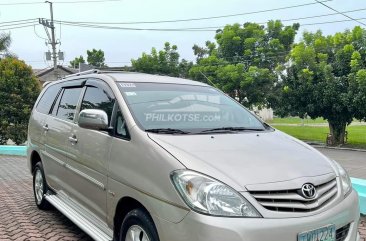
(120, 46)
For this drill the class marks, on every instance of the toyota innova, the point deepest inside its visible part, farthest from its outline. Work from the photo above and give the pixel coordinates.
(137, 157)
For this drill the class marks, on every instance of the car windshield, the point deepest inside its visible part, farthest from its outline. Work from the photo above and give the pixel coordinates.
(183, 109)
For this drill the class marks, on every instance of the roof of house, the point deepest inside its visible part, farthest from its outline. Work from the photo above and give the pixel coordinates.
(41, 72)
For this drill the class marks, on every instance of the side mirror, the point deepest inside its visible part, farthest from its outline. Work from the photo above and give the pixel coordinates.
(93, 119)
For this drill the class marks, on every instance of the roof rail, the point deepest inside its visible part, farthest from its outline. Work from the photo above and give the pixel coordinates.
(92, 71)
(46, 83)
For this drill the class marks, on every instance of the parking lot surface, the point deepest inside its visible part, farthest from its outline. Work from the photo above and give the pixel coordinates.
(353, 161)
(20, 219)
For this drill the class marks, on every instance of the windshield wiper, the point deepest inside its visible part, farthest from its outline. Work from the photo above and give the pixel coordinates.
(167, 131)
(231, 129)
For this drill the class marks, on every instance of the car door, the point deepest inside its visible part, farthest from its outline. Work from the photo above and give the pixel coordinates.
(38, 127)
(58, 126)
(90, 150)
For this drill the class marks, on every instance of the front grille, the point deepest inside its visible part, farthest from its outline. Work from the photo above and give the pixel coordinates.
(341, 233)
(292, 201)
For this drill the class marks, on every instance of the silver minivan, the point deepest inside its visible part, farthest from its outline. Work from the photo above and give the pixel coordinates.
(137, 157)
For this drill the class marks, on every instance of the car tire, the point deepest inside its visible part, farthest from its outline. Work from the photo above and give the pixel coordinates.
(40, 187)
(138, 226)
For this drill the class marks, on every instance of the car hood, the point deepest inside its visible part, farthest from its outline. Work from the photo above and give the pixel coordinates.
(241, 159)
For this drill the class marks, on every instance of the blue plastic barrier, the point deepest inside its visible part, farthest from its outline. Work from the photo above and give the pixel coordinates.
(360, 186)
(13, 150)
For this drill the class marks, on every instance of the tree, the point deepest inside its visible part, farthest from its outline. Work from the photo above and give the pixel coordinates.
(165, 62)
(244, 60)
(75, 63)
(96, 58)
(184, 67)
(202, 52)
(19, 89)
(326, 77)
(5, 42)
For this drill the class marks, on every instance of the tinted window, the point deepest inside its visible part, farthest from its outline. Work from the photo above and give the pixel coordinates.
(46, 101)
(55, 106)
(185, 107)
(67, 106)
(121, 127)
(97, 98)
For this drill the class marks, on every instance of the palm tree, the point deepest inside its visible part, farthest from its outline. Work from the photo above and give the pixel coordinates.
(5, 41)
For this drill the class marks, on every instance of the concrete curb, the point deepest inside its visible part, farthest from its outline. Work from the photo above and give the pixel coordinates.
(335, 148)
(13, 150)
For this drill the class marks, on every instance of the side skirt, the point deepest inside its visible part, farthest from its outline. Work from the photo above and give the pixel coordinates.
(67, 208)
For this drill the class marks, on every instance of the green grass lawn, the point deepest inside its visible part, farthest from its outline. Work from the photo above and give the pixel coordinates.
(356, 134)
(297, 120)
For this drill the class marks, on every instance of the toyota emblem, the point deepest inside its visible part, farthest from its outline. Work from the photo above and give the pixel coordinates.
(308, 191)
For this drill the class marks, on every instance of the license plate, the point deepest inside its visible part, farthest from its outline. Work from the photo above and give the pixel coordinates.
(327, 233)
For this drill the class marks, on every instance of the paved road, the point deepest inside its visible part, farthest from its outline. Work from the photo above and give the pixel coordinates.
(353, 161)
(20, 217)
(22, 220)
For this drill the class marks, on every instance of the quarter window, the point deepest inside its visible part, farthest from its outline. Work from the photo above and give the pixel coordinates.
(121, 127)
(67, 106)
(97, 98)
(47, 99)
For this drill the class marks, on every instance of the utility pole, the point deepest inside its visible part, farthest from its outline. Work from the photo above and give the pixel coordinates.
(51, 39)
(53, 43)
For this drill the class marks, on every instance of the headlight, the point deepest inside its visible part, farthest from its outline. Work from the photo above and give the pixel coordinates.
(346, 181)
(206, 195)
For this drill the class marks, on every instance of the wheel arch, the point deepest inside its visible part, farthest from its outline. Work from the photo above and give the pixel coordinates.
(34, 159)
(124, 206)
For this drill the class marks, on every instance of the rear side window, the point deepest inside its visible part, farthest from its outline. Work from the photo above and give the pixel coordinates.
(47, 99)
(97, 98)
(67, 106)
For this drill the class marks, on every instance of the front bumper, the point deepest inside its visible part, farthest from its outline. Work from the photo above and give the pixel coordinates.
(198, 227)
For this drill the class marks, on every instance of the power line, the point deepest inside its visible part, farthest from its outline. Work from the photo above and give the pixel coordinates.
(23, 26)
(96, 24)
(335, 10)
(26, 21)
(88, 1)
(329, 22)
(192, 29)
(59, 2)
(35, 32)
(213, 17)
(18, 21)
(17, 24)
(139, 29)
(323, 15)
(20, 3)
(283, 20)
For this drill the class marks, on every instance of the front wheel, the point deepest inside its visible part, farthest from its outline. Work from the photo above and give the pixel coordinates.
(138, 226)
(40, 187)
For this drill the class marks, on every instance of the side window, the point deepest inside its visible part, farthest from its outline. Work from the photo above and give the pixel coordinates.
(97, 98)
(121, 127)
(55, 106)
(47, 99)
(67, 106)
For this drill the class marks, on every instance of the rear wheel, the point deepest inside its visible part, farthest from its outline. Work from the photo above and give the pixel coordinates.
(138, 226)
(40, 187)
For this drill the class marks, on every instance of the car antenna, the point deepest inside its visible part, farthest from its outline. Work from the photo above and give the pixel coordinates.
(208, 80)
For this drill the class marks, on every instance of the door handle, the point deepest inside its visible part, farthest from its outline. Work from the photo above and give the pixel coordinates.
(73, 139)
(45, 127)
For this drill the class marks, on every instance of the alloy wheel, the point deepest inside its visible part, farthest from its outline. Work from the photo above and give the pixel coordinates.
(136, 233)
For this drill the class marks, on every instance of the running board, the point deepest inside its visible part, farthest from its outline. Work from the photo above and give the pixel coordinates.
(88, 227)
